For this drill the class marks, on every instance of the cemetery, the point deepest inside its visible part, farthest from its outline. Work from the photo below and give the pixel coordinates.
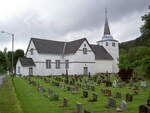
(100, 93)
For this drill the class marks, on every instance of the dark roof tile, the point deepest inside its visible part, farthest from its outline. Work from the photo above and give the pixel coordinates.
(25, 62)
(101, 53)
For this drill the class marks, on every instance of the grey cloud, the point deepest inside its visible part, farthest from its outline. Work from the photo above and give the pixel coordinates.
(56, 19)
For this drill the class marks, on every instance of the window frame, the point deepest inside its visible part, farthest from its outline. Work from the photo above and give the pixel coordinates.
(107, 44)
(48, 64)
(57, 64)
(113, 44)
(18, 69)
(31, 51)
(84, 50)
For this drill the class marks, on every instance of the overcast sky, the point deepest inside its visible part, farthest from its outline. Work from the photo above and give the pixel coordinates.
(67, 20)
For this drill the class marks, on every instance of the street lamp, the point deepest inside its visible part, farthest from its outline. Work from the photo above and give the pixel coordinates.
(12, 35)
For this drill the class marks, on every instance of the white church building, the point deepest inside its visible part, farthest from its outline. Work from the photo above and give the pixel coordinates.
(48, 57)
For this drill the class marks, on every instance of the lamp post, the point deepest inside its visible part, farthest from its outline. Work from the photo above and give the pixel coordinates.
(12, 35)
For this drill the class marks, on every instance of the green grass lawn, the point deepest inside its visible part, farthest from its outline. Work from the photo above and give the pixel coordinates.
(8, 100)
(33, 101)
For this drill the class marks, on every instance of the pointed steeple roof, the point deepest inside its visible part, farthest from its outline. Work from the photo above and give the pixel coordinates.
(106, 27)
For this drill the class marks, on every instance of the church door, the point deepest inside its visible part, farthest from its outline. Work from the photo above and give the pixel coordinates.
(85, 70)
(30, 71)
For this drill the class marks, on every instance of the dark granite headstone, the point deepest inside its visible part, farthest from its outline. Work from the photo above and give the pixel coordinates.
(148, 102)
(144, 109)
(111, 102)
(65, 102)
(79, 108)
(88, 111)
(85, 94)
(129, 97)
(118, 95)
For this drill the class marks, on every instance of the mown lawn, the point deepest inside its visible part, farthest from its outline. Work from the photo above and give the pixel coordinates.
(8, 100)
(33, 101)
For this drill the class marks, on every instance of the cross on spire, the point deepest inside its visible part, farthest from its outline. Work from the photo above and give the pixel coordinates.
(106, 27)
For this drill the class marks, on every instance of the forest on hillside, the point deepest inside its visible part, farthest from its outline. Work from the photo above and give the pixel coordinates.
(135, 54)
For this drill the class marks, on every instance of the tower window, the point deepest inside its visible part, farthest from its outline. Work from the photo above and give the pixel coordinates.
(113, 44)
(106, 43)
(84, 50)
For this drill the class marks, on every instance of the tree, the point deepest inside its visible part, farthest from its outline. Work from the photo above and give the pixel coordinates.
(18, 53)
(145, 29)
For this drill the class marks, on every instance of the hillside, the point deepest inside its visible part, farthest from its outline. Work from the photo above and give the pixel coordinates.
(143, 40)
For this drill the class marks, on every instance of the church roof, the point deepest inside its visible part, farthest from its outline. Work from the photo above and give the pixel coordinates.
(25, 62)
(101, 53)
(56, 47)
(59, 47)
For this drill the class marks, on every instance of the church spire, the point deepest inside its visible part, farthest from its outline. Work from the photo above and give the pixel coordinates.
(106, 27)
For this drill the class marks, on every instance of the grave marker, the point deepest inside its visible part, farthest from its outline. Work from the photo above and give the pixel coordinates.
(65, 102)
(129, 97)
(144, 109)
(111, 102)
(79, 108)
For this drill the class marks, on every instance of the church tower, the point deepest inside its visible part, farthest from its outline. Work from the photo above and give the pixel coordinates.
(110, 44)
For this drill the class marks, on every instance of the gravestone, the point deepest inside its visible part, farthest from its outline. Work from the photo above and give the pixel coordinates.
(54, 97)
(50, 92)
(135, 93)
(143, 84)
(41, 89)
(108, 83)
(99, 82)
(111, 102)
(88, 111)
(94, 97)
(79, 108)
(92, 88)
(129, 97)
(148, 102)
(85, 94)
(74, 90)
(108, 92)
(144, 109)
(118, 95)
(65, 102)
(68, 88)
(114, 84)
(123, 106)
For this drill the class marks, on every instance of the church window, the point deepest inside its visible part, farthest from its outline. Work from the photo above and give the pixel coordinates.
(31, 51)
(67, 64)
(18, 69)
(106, 43)
(84, 45)
(113, 44)
(57, 64)
(48, 64)
(84, 50)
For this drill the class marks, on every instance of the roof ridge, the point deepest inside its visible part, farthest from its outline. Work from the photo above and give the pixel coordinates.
(46, 40)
